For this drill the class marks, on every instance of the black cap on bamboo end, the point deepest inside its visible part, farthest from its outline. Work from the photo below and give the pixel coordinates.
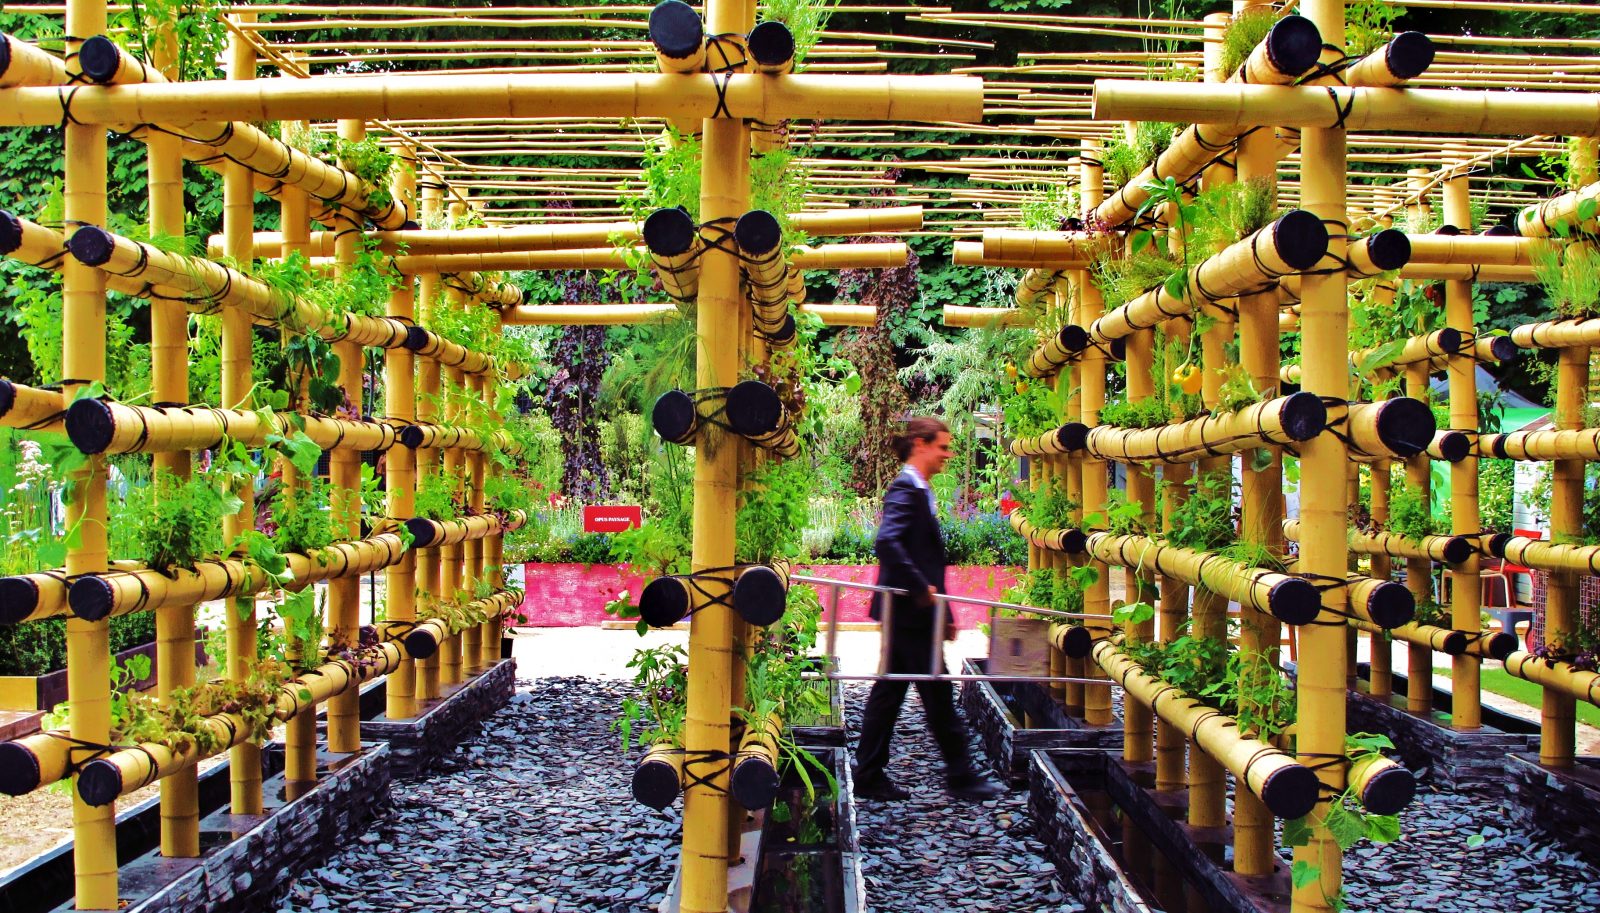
(1457, 549)
(1073, 436)
(676, 29)
(5, 51)
(410, 436)
(757, 232)
(1502, 645)
(771, 44)
(19, 598)
(10, 230)
(664, 602)
(1391, 605)
(1448, 230)
(1300, 239)
(1389, 249)
(1406, 426)
(421, 643)
(100, 59)
(19, 770)
(92, 245)
(754, 783)
(423, 532)
(91, 598)
(668, 232)
(90, 425)
(674, 417)
(655, 782)
(1291, 792)
(1409, 55)
(99, 782)
(1450, 339)
(1119, 349)
(1303, 416)
(760, 595)
(1074, 541)
(1293, 45)
(1502, 348)
(1455, 643)
(753, 409)
(1294, 601)
(1498, 543)
(8, 396)
(784, 334)
(410, 225)
(416, 338)
(1454, 446)
(1077, 642)
(1389, 791)
(1501, 230)
(1073, 338)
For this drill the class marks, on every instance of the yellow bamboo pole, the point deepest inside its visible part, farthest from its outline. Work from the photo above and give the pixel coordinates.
(1324, 317)
(1558, 712)
(344, 477)
(238, 215)
(1071, 693)
(1419, 478)
(1465, 597)
(400, 403)
(1096, 478)
(723, 194)
(472, 638)
(1139, 583)
(427, 459)
(83, 361)
(1261, 506)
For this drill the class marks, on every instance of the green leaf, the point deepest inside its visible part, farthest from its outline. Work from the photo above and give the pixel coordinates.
(1384, 828)
(1475, 841)
(1297, 831)
(1177, 285)
(1303, 873)
(1346, 827)
(1587, 208)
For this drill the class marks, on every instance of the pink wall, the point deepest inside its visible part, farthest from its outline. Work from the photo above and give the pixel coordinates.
(575, 595)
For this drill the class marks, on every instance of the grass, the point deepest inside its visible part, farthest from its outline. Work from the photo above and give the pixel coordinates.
(1499, 681)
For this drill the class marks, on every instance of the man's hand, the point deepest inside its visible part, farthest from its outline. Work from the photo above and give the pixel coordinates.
(925, 601)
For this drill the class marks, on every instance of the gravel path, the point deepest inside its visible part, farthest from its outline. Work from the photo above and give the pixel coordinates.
(1431, 868)
(532, 816)
(936, 854)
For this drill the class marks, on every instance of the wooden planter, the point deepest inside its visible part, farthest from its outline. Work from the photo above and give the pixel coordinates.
(41, 693)
(798, 870)
(1012, 720)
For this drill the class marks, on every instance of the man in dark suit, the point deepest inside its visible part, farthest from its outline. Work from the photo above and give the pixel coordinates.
(911, 558)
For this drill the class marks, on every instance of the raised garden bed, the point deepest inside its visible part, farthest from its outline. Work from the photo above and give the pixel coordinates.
(417, 744)
(997, 712)
(1125, 848)
(1436, 751)
(809, 859)
(41, 693)
(1562, 803)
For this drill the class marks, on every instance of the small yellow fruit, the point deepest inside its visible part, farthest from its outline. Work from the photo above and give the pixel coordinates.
(1022, 386)
(1011, 370)
(1188, 378)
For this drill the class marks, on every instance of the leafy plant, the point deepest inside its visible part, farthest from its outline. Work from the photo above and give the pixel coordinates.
(658, 713)
(200, 39)
(1203, 520)
(1409, 514)
(1344, 817)
(1570, 275)
(1368, 25)
(1237, 391)
(1150, 412)
(806, 20)
(1244, 32)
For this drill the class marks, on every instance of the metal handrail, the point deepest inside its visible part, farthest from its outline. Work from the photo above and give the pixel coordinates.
(936, 660)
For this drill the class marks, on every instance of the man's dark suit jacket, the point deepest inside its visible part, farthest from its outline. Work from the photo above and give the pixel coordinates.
(910, 551)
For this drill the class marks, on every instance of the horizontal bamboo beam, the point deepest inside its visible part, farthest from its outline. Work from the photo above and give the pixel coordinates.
(1542, 219)
(100, 426)
(30, 408)
(1558, 334)
(1545, 555)
(955, 315)
(1556, 675)
(1065, 541)
(585, 314)
(1055, 250)
(429, 344)
(1293, 242)
(1440, 640)
(24, 64)
(439, 437)
(873, 255)
(753, 781)
(1476, 250)
(658, 779)
(1429, 272)
(1290, 419)
(1288, 788)
(844, 315)
(596, 95)
(1542, 445)
(1075, 640)
(268, 245)
(1292, 600)
(858, 221)
(42, 594)
(1441, 549)
(1399, 427)
(1367, 110)
(433, 533)
(97, 596)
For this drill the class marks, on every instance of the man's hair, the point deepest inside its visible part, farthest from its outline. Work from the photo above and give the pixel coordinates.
(922, 428)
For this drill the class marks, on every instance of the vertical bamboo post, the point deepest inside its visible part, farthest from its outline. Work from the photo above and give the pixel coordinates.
(169, 375)
(300, 731)
(1071, 693)
(1381, 678)
(344, 495)
(472, 638)
(1096, 479)
(238, 224)
(1419, 478)
(400, 404)
(1324, 317)
(427, 459)
(1465, 590)
(707, 731)
(1261, 511)
(1138, 721)
(83, 361)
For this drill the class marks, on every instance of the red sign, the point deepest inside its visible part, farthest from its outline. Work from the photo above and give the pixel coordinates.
(612, 519)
